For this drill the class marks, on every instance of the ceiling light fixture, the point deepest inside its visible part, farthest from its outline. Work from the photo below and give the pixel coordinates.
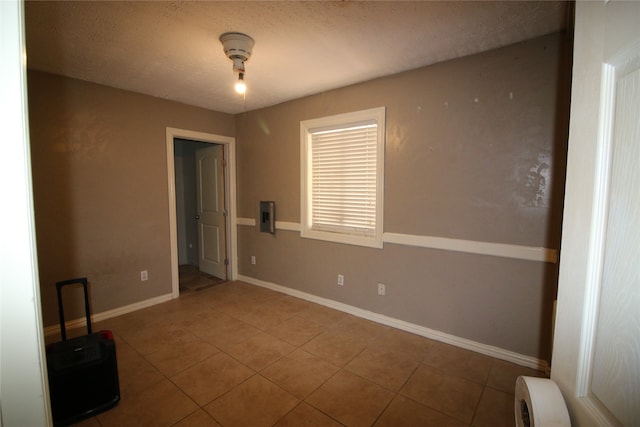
(237, 47)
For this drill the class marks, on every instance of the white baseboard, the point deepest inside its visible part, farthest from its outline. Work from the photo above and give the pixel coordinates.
(77, 323)
(488, 350)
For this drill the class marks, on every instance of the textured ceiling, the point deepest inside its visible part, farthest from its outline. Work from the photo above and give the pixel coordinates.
(171, 49)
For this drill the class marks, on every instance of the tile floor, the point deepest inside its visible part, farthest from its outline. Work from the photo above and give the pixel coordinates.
(240, 355)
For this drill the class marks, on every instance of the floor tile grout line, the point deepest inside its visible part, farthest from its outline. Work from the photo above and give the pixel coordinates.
(323, 412)
(475, 411)
(187, 416)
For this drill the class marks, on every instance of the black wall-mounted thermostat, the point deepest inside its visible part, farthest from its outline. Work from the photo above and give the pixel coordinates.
(268, 217)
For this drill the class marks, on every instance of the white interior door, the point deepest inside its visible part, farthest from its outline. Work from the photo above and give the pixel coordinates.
(596, 357)
(211, 211)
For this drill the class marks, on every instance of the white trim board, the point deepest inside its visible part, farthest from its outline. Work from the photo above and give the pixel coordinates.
(77, 323)
(527, 253)
(289, 226)
(488, 350)
(251, 222)
(280, 225)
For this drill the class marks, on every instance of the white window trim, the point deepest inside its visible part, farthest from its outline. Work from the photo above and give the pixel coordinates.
(338, 121)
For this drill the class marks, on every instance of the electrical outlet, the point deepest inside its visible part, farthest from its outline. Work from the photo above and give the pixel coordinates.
(382, 289)
(340, 280)
(253, 260)
(144, 275)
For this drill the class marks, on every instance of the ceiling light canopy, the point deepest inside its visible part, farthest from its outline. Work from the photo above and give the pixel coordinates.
(237, 47)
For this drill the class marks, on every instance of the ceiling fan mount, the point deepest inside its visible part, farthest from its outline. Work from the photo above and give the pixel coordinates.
(237, 47)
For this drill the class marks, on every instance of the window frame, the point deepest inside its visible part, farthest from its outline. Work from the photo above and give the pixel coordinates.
(334, 122)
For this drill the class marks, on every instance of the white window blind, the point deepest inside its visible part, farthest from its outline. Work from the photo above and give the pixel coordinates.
(343, 171)
(342, 161)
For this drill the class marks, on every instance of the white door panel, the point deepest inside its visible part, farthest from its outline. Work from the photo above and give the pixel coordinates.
(596, 358)
(211, 250)
(616, 368)
(211, 211)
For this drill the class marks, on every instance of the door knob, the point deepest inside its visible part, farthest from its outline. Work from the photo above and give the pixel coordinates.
(197, 216)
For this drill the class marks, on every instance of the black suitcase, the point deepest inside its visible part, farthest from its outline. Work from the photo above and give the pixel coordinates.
(83, 372)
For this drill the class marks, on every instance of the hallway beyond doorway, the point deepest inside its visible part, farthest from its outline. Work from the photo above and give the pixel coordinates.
(192, 279)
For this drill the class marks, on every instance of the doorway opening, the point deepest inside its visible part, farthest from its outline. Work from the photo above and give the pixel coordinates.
(202, 209)
(200, 214)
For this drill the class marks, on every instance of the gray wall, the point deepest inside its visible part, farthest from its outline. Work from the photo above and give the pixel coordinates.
(475, 150)
(99, 162)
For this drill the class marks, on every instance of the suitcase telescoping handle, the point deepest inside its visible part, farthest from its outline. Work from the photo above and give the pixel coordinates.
(59, 285)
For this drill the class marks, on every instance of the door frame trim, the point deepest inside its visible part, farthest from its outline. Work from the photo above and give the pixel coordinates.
(229, 145)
